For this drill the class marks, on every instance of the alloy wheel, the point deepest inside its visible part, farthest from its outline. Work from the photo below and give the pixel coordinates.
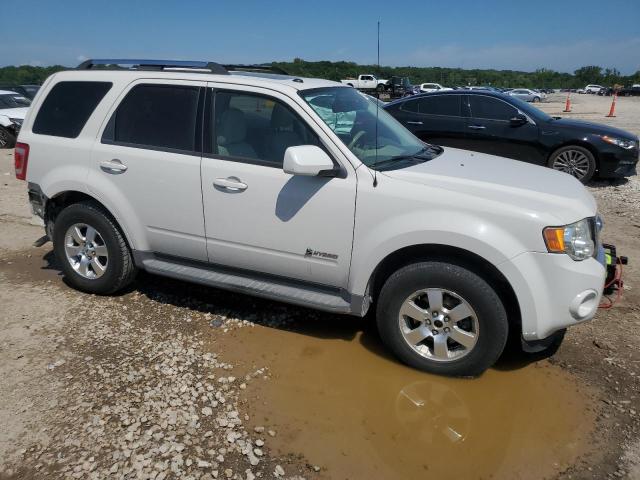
(438, 324)
(86, 251)
(573, 162)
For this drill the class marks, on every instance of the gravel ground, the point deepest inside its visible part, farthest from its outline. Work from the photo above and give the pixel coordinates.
(138, 386)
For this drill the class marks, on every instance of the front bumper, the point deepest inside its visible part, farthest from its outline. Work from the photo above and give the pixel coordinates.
(614, 162)
(554, 291)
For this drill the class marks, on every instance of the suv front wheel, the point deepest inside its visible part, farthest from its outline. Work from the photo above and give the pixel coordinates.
(91, 249)
(442, 318)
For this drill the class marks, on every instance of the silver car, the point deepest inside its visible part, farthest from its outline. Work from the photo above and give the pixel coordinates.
(527, 95)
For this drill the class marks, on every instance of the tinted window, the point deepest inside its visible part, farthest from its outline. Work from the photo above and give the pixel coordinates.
(161, 116)
(410, 106)
(441, 105)
(7, 101)
(490, 108)
(67, 108)
(256, 128)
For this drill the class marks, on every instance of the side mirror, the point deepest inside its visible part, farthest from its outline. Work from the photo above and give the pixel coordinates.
(518, 120)
(308, 160)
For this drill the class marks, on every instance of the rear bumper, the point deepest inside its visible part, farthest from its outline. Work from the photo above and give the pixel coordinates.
(554, 291)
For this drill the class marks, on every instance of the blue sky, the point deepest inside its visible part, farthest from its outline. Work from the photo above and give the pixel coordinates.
(502, 34)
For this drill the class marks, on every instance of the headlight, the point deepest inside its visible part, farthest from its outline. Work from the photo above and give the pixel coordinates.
(576, 240)
(626, 144)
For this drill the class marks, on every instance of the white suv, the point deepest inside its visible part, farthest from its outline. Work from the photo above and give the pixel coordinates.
(242, 181)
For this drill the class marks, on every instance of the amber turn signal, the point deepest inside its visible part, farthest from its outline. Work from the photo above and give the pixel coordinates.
(554, 238)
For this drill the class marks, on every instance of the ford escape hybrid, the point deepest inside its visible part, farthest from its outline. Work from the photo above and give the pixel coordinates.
(302, 190)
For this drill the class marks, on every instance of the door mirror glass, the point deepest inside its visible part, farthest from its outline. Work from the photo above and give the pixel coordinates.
(518, 120)
(308, 160)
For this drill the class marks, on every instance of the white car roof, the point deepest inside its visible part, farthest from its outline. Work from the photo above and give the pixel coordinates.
(270, 80)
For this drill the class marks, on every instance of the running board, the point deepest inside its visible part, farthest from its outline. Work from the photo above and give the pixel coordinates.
(273, 288)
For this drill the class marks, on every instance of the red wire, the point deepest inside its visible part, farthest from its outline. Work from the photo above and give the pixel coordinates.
(616, 280)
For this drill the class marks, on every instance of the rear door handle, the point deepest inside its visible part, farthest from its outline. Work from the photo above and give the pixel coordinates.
(413, 122)
(477, 127)
(233, 184)
(113, 166)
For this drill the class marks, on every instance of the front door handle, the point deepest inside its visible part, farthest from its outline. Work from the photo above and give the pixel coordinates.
(114, 166)
(477, 127)
(232, 184)
(413, 122)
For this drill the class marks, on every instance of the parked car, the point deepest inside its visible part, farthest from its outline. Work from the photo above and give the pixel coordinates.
(28, 91)
(242, 182)
(366, 82)
(527, 95)
(12, 115)
(433, 87)
(633, 91)
(506, 126)
(592, 88)
(398, 87)
(605, 91)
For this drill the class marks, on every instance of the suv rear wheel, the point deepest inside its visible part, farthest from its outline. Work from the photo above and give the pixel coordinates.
(442, 318)
(90, 247)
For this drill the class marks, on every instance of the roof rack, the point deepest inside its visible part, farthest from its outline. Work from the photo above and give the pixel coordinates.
(141, 64)
(207, 67)
(264, 67)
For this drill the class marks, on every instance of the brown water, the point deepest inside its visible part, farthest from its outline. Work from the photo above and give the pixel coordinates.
(339, 400)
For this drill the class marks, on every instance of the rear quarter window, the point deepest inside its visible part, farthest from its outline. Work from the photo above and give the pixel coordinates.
(67, 108)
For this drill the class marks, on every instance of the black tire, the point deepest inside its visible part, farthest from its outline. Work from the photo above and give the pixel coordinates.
(120, 270)
(591, 169)
(7, 139)
(536, 99)
(380, 88)
(491, 316)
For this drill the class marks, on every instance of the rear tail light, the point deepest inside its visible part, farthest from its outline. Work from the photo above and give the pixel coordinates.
(21, 156)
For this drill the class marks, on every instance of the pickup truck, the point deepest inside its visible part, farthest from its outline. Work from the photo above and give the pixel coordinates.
(633, 91)
(366, 82)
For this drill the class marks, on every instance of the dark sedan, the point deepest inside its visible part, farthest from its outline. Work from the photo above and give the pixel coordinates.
(501, 125)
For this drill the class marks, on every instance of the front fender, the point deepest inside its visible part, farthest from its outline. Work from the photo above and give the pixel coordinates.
(486, 239)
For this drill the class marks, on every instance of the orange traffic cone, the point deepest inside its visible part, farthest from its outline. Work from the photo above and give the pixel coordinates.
(612, 110)
(567, 105)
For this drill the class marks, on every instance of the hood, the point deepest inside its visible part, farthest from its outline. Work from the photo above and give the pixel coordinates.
(592, 128)
(536, 190)
(14, 112)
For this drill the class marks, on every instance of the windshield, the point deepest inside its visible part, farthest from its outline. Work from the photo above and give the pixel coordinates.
(529, 109)
(353, 118)
(7, 101)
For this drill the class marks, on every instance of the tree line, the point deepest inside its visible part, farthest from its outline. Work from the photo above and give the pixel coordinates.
(541, 78)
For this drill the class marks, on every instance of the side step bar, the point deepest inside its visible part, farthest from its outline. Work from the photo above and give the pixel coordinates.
(273, 288)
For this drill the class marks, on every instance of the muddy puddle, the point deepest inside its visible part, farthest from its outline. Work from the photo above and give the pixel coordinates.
(340, 401)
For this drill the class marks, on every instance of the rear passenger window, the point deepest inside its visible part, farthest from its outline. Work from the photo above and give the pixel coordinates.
(441, 105)
(67, 108)
(410, 106)
(257, 129)
(490, 108)
(156, 116)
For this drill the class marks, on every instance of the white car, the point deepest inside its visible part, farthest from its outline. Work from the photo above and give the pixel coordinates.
(433, 87)
(245, 182)
(527, 95)
(593, 88)
(12, 113)
(366, 83)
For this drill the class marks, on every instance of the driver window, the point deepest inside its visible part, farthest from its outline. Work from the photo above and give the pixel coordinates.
(256, 129)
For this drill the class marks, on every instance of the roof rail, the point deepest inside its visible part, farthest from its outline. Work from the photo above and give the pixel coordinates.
(261, 68)
(141, 64)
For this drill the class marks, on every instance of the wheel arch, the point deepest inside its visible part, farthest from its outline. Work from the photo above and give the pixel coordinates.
(459, 256)
(580, 143)
(61, 200)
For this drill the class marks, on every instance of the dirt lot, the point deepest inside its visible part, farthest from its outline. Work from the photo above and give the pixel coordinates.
(172, 380)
